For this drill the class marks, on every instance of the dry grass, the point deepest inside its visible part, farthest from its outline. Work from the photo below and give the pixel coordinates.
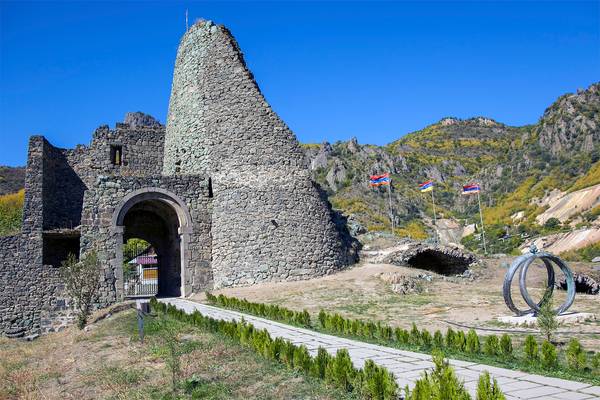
(109, 362)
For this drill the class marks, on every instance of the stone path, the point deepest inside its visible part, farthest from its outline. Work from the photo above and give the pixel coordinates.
(407, 366)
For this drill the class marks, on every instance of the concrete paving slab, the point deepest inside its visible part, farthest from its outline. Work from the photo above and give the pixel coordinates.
(407, 366)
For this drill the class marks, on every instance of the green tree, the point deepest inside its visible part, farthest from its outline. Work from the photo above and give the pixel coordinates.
(575, 355)
(473, 346)
(491, 346)
(549, 357)
(82, 281)
(506, 346)
(378, 383)
(546, 318)
(530, 348)
(552, 223)
(488, 389)
(441, 384)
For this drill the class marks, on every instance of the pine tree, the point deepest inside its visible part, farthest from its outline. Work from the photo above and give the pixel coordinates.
(488, 389)
(473, 346)
(575, 355)
(506, 346)
(530, 348)
(549, 357)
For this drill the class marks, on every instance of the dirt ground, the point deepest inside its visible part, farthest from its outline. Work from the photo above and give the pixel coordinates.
(359, 292)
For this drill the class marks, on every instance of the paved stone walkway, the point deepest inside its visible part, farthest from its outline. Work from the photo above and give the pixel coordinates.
(407, 366)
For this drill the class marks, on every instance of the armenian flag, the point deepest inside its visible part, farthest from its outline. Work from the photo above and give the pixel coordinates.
(378, 180)
(426, 186)
(471, 188)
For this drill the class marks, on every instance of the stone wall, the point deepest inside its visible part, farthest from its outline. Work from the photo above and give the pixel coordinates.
(269, 221)
(56, 179)
(29, 289)
(101, 202)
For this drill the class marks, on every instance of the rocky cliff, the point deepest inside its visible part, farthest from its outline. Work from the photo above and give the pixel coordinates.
(516, 167)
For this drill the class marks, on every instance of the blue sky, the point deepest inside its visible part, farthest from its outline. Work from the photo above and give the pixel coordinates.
(331, 70)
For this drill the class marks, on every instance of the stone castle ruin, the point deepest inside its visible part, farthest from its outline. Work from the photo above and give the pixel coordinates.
(222, 193)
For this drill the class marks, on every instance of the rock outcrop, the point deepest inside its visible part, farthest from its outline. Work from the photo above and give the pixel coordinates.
(572, 123)
(440, 259)
(583, 284)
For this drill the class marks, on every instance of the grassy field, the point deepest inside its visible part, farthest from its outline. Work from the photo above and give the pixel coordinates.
(109, 362)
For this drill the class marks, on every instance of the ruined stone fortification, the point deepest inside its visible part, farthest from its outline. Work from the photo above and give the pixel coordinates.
(223, 193)
(268, 218)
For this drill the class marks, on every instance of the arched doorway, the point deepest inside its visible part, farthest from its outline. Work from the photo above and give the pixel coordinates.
(161, 219)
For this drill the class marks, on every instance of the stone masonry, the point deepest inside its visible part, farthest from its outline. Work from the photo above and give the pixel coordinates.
(223, 192)
(270, 221)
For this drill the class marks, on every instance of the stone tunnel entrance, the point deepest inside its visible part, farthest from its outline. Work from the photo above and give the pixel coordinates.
(444, 263)
(159, 220)
(156, 223)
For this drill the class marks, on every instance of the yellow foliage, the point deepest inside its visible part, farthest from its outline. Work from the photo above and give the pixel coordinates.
(350, 205)
(414, 230)
(591, 178)
(310, 145)
(11, 210)
(514, 202)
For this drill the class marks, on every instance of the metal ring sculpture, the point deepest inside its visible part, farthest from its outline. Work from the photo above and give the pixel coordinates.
(522, 263)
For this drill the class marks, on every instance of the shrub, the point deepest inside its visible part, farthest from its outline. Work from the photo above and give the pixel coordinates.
(491, 347)
(438, 340)
(530, 349)
(472, 346)
(460, 341)
(302, 360)
(426, 338)
(549, 357)
(441, 383)
(450, 337)
(319, 364)
(415, 335)
(488, 389)
(172, 356)
(575, 355)
(596, 362)
(82, 281)
(11, 212)
(506, 347)
(340, 371)
(402, 335)
(274, 312)
(377, 383)
(552, 223)
(322, 318)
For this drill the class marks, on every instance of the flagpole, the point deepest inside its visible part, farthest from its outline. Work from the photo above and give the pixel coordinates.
(482, 228)
(434, 217)
(391, 211)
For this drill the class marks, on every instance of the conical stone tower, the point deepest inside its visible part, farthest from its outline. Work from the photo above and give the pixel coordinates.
(269, 220)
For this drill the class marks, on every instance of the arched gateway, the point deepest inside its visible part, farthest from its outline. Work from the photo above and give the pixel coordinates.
(162, 219)
(222, 193)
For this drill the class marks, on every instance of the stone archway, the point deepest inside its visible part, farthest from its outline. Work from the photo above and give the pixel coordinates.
(161, 218)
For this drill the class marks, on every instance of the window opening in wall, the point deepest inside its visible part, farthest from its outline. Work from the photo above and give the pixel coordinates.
(116, 155)
(57, 247)
(210, 192)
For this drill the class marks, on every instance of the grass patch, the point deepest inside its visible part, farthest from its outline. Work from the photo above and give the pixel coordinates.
(109, 362)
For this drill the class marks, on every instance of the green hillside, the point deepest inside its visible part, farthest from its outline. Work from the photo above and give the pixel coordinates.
(514, 166)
